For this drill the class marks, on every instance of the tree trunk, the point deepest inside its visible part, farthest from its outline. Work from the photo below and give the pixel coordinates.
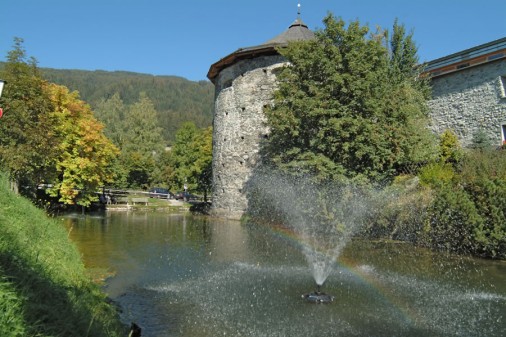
(14, 186)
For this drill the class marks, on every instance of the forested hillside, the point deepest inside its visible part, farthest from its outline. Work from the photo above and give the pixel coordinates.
(50, 131)
(176, 99)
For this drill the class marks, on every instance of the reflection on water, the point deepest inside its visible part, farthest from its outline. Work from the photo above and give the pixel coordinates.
(179, 275)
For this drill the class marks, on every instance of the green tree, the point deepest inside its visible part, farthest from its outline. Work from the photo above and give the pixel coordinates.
(26, 145)
(204, 162)
(191, 158)
(453, 220)
(176, 99)
(404, 62)
(50, 136)
(111, 112)
(339, 112)
(183, 156)
(143, 143)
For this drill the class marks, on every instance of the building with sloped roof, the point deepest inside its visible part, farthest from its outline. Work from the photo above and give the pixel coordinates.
(469, 95)
(244, 82)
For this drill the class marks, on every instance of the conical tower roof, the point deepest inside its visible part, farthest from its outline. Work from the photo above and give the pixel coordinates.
(297, 31)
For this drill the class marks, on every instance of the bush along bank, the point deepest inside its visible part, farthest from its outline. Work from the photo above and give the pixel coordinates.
(457, 206)
(468, 214)
(44, 289)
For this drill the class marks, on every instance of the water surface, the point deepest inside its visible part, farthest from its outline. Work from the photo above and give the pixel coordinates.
(179, 275)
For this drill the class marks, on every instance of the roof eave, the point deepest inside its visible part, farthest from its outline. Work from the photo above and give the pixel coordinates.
(242, 54)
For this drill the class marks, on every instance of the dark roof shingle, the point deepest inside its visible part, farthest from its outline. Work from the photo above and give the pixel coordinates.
(297, 31)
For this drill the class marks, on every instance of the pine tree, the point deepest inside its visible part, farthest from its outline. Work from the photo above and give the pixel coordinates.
(143, 143)
(111, 113)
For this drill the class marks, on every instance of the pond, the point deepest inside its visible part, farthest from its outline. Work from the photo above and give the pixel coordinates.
(180, 275)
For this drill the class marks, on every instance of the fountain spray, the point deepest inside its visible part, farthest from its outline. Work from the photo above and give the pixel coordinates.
(324, 215)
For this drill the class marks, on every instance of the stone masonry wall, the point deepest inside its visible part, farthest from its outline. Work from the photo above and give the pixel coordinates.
(464, 101)
(471, 99)
(242, 91)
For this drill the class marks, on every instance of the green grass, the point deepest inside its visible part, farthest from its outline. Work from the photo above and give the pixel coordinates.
(44, 290)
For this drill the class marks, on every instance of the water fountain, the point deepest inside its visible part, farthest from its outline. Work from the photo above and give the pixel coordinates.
(184, 276)
(324, 217)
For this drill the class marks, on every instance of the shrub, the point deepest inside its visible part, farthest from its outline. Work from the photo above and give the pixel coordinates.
(468, 214)
(453, 220)
(449, 147)
(400, 210)
(434, 174)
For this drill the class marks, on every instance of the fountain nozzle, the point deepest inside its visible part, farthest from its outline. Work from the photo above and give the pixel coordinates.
(318, 296)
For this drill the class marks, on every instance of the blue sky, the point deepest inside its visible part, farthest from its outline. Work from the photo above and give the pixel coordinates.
(184, 37)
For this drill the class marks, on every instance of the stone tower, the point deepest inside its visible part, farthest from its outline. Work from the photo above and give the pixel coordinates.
(244, 83)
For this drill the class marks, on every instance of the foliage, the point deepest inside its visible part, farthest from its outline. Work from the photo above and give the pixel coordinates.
(450, 149)
(481, 140)
(191, 158)
(458, 205)
(43, 287)
(25, 147)
(176, 99)
(453, 216)
(340, 111)
(50, 136)
(204, 161)
(83, 154)
(135, 129)
(468, 213)
(401, 210)
(404, 62)
(164, 172)
(436, 173)
(142, 142)
(111, 112)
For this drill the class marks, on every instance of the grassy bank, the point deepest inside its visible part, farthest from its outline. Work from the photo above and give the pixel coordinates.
(44, 290)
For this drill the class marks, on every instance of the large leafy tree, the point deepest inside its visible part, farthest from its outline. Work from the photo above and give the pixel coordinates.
(26, 145)
(339, 111)
(191, 158)
(48, 135)
(83, 155)
(204, 161)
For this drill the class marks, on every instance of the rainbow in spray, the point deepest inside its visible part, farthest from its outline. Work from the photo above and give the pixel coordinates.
(321, 217)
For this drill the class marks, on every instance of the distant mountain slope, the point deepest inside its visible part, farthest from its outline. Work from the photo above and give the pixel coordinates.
(176, 99)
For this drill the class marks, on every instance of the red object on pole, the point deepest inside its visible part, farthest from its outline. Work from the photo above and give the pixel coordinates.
(1, 112)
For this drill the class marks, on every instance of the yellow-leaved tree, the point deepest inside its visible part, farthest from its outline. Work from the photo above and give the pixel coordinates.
(84, 154)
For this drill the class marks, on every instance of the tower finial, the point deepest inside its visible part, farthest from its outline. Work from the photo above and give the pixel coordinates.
(298, 10)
